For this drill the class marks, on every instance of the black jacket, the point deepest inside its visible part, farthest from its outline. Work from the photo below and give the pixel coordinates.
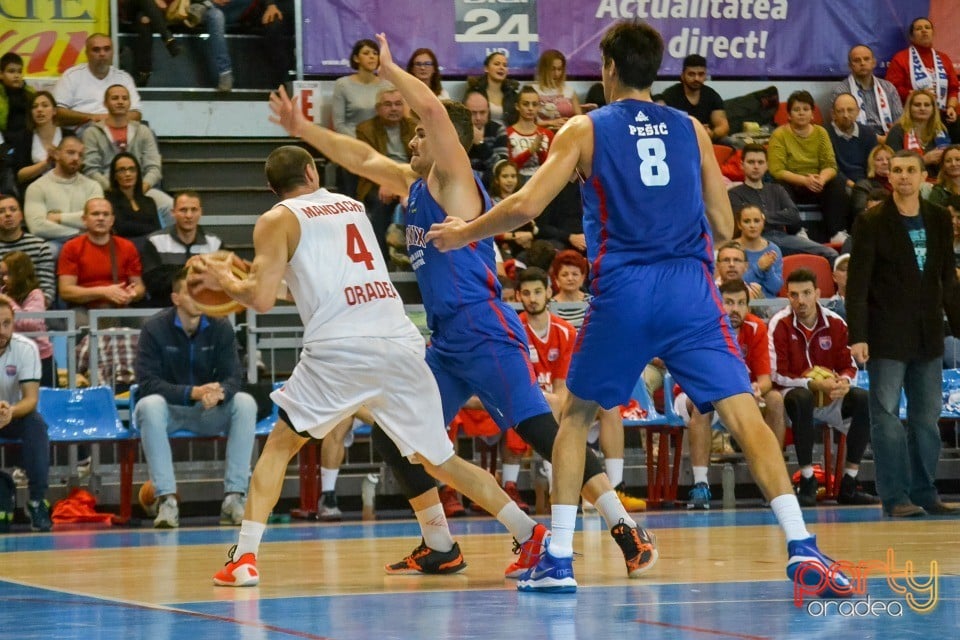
(170, 363)
(892, 305)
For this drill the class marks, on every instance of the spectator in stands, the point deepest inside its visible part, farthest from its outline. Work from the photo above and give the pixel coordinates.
(104, 139)
(14, 238)
(167, 251)
(801, 158)
(732, 264)
(551, 340)
(697, 99)
(879, 103)
(919, 129)
(764, 260)
(567, 276)
(558, 100)
(515, 243)
(389, 132)
(837, 302)
(920, 66)
(21, 285)
(54, 204)
(355, 100)
(79, 91)
(851, 142)
(782, 222)
(500, 91)
(948, 179)
(15, 99)
(878, 170)
(527, 142)
(35, 154)
(147, 17)
(98, 269)
(135, 214)
(423, 65)
(902, 279)
(274, 18)
(751, 334)
(803, 336)
(19, 418)
(562, 222)
(489, 137)
(189, 376)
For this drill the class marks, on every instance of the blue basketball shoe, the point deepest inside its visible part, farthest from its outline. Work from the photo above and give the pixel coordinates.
(550, 575)
(815, 570)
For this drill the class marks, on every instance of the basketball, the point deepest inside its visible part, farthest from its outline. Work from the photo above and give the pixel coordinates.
(147, 496)
(820, 373)
(217, 304)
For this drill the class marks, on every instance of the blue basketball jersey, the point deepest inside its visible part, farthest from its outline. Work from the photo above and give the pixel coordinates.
(454, 281)
(643, 202)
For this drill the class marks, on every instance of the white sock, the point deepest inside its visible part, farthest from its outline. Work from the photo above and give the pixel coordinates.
(787, 510)
(614, 468)
(700, 475)
(519, 524)
(328, 479)
(612, 510)
(807, 471)
(509, 473)
(251, 532)
(433, 526)
(851, 472)
(563, 521)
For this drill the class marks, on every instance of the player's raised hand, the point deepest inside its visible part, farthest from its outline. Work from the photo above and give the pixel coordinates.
(446, 235)
(286, 112)
(385, 56)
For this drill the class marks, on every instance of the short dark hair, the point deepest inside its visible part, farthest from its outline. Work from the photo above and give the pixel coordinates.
(10, 58)
(462, 121)
(180, 279)
(357, 46)
(735, 286)
(186, 193)
(107, 90)
(533, 274)
(694, 60)
(285, 167)
(637, 50)
(907, 153)
(800, 96)
(802, 275)
(753, 147)
(867, 47)
(878, 194)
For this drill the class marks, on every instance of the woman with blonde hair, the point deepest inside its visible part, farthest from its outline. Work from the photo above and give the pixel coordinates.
(920, 129)
(558, 100)
(878, 177)
(948, 181)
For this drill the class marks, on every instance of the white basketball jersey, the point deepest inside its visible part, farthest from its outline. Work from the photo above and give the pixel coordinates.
(338, 276)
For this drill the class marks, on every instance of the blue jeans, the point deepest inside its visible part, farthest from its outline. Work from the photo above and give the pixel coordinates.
(31, 430)
(905, 458)
(236, 418)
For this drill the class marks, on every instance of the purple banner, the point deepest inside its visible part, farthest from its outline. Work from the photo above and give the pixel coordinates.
(746, 38)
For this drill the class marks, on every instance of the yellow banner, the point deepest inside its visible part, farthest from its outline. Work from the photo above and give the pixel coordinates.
(50, 34)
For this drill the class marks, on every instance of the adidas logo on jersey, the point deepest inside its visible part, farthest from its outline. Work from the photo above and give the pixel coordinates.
(641, 117)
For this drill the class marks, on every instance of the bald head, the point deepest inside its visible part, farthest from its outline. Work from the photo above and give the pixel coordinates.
(845, 112)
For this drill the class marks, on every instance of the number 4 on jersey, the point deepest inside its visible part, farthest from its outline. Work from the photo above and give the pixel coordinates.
(357, 249)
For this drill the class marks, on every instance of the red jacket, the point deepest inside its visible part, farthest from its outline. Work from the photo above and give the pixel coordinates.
(791, 354)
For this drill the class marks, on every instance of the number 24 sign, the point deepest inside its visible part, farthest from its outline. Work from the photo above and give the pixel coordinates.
(497, 21)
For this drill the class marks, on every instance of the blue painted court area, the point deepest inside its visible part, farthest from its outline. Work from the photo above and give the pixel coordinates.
(724, 610)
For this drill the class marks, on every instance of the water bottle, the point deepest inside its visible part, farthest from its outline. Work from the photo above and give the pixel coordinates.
(729, 482)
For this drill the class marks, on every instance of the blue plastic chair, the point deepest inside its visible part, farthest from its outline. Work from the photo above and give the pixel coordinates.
(265, 426)
(662, 477)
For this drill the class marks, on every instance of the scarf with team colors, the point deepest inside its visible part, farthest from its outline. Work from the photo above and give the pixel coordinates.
(883, 105)
(920, 77)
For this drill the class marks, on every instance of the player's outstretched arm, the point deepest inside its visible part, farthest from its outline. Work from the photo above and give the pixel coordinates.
(457, 190)
(353, 155)
(530, 201)
(715, 198)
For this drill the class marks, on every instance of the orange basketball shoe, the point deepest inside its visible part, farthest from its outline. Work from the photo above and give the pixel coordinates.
(241, 572)
(528, 552)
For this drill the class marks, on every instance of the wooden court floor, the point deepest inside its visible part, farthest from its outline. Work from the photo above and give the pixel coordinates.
(720, 575)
